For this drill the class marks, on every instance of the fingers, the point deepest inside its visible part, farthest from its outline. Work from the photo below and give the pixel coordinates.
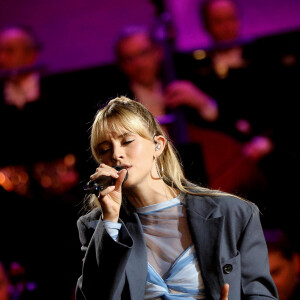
(110, 198)
(258, 147)
(109, 172)
(224, 292)
(106, 191)
(121, 177)
(174, 88)
(184, 92)
(105, 170)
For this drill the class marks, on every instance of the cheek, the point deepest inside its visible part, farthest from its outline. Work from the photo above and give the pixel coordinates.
(141, 152)
(141, 158)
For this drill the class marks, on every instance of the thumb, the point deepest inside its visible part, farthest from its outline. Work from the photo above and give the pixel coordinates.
(225, 292)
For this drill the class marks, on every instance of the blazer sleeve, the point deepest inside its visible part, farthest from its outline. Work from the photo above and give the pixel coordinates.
(256, 277)
(103, 263)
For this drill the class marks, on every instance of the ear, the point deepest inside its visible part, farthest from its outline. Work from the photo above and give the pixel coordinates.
(159, 144)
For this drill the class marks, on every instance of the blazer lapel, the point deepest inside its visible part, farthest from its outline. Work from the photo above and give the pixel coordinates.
(136, 269)
(206, 230)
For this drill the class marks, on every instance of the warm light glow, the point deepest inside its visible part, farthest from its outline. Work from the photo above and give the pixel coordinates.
(199, 54)
(69, 159)
(15, 179)
(2, 178)
(24, 177)
(8, 186)
(46, 181)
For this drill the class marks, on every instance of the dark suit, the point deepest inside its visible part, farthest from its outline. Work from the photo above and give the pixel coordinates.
(43, 131)
(228, 239)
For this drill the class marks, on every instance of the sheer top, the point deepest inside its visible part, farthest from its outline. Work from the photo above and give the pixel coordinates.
(173, 271)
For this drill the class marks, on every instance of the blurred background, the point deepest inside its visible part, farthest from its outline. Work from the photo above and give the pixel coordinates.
(45, 158)
(81, 34)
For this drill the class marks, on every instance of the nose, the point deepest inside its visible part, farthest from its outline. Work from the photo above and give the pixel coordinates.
(118, 153)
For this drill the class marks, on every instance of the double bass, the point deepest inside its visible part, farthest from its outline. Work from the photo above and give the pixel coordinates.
(224, 165)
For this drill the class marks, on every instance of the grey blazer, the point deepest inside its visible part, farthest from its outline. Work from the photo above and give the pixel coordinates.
(228, 239)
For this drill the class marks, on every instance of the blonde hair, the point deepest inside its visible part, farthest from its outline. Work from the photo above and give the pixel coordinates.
(123, 113)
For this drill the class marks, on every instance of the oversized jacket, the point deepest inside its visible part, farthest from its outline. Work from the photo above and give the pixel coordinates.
(228, 239)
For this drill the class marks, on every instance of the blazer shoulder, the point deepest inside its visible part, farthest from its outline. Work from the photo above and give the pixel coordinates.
(235, 206)
(91, 216)
(225, 204)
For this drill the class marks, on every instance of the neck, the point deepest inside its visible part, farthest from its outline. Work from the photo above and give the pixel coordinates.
(155, 192)
(150, 85)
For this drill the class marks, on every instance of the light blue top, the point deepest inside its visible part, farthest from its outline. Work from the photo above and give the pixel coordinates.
(173, 270)
(181, 282)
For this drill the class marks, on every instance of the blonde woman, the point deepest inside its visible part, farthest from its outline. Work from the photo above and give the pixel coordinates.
(152, 234)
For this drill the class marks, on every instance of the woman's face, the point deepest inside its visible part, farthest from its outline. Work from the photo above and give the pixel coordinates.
(132, 151)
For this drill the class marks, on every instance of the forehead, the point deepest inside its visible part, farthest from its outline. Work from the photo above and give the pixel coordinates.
(14, 37)
(132, 43)
(222, 7)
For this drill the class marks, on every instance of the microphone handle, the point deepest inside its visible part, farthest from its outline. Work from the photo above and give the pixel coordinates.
(102, 182)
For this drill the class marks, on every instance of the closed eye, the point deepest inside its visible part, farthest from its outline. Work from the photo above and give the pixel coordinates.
(103, 151)
(128, 142)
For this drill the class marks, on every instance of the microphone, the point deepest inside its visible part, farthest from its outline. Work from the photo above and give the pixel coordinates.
(102, 182)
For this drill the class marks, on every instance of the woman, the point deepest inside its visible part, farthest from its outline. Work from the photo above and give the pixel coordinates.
(157, 236)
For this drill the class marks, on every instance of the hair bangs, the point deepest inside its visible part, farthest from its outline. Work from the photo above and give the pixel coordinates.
(119, 122)
(126, 121)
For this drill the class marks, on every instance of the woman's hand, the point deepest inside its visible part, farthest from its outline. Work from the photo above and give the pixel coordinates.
(224, 292)
(110, 198)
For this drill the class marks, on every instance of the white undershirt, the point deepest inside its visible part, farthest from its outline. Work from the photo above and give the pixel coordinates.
(20, 92)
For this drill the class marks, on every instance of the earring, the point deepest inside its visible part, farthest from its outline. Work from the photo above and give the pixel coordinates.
(157, 147)
(160, 174)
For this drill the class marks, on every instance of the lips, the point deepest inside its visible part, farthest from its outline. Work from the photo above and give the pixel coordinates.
(126, 166)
